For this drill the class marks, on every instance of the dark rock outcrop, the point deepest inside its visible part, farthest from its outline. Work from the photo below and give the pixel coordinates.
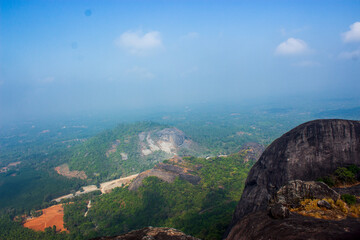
(295, 191)
(165, 172)
(278, 211)
(253, 151)
(309, 151)
(151, 233)
(260, 226)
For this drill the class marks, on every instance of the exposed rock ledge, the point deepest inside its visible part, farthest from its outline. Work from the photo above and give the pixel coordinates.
(260, 225)
(65, 171)
(165, 172)
(151, 233)
(295, 191)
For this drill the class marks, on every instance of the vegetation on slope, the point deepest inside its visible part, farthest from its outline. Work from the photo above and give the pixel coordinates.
(342, 176)
(32, 189)
(99, 166)
(202, 210)
(339, 209)
(33, 183)
(11, 230)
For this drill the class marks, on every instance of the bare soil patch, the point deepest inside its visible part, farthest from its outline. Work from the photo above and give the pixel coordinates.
(5, 169)
(51, 216)
(65, 171)
(13, 164)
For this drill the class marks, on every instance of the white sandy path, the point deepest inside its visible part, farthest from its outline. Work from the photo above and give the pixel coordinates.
(108, 186)
(88, 208)
(105, 187)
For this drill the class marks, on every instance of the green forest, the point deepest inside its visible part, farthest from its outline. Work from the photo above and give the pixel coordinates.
(203, 210)
(99, 166)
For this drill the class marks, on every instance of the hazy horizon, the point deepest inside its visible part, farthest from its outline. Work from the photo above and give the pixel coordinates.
(66, 57)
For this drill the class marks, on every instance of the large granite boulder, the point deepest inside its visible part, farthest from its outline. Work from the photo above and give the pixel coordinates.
(307, 152)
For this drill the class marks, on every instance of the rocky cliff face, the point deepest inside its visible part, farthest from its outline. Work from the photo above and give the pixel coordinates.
(309, 151)
(168, 140)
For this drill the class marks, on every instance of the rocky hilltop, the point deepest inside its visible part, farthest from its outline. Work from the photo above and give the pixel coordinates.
(306, 153)
(125, 150)
(168, 140)
(166, 172)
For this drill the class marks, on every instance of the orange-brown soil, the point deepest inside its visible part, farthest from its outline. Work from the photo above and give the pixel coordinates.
(176, 159)
(13, 164)
(51, 216)
(5, 169)
(65, 171)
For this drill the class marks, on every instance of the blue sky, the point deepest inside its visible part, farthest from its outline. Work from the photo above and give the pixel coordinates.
(70, 56)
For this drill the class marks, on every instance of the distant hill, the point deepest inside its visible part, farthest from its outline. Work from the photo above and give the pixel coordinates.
(129, 149)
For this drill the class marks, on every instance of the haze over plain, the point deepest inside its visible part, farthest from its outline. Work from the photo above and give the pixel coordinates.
(65, 57)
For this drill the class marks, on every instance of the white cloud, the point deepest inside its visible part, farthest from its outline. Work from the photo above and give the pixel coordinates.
(292, 46)
(354, 34)
(354, 55)
(141, 73)
(138, 43)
